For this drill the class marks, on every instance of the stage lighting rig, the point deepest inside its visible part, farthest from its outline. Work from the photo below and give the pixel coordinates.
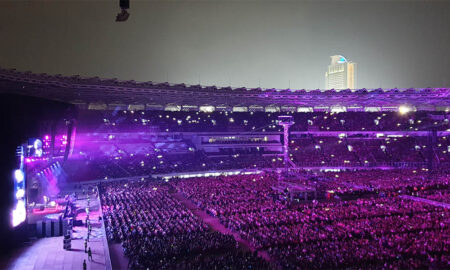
(19, 212)
(123, 15)
(286, 121)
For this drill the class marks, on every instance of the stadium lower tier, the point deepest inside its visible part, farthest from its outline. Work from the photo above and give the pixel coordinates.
(116, 159)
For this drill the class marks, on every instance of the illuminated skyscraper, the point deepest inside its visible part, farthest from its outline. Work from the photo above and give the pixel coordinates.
(341, 74)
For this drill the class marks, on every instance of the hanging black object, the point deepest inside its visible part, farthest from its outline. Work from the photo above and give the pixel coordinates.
(124, 4)
(123, 15)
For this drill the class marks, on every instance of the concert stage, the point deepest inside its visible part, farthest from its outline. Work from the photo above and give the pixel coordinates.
(47, 253)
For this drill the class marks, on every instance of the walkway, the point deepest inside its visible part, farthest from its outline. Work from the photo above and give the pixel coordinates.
(418, 199)
(354, 185)
(118, 258)
(215, 225)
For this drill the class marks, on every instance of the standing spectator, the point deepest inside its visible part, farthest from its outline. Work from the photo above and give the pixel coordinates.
(90, 254)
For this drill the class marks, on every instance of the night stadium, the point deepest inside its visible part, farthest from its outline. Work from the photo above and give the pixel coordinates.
(105, 173)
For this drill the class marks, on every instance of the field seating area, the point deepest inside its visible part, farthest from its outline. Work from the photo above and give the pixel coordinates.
(158, 232)
(384, 231)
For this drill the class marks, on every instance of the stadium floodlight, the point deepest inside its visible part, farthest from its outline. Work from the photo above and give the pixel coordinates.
(403, 109)
(20, 193)
(207, 109)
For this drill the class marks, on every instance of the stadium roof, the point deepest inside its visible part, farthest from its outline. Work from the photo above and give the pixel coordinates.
(103, 93)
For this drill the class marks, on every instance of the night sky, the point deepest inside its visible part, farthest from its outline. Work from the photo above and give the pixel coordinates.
(239, 43)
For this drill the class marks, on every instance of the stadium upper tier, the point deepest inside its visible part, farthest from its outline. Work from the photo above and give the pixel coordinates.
(234, 122)
(95, 93)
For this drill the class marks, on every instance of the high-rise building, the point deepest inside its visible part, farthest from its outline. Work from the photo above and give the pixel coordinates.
(341, 74)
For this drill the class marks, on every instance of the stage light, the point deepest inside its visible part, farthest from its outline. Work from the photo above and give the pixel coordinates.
(38, 152)
(37, 148)
(37, 144)
(20, 193)
(19, 176)
(18, 214)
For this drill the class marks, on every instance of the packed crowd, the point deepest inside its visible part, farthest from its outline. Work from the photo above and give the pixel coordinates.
(374, 231)
(387, 182)
(158, 232)
(142, 165)
(365, 233)
(191, 121)
(359, 219)
(114, 146)
(439, 195)
(310, 151)
(365, 151)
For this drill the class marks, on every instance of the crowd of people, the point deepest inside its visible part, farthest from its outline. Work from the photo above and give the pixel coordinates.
(220, 121)
(378, 231)
(304, 152)
(365, 151)
(366, 233)
(438, 195)
(158, 232)
(359, 219)
(142, 165)
(389, 182)
(124, 143)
